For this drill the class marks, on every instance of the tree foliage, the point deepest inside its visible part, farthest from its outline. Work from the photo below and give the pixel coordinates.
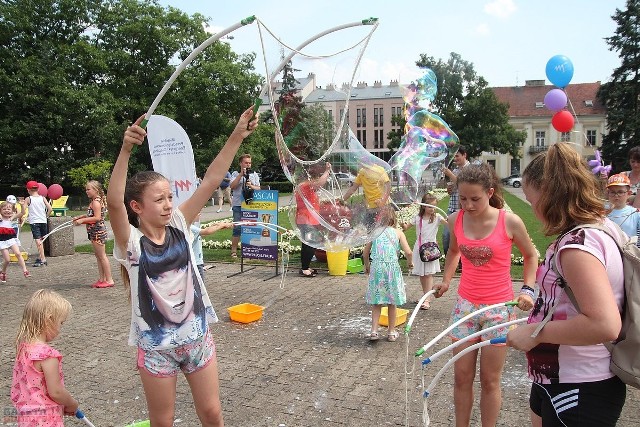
(74, 73)
(621, 95)
(471, 108)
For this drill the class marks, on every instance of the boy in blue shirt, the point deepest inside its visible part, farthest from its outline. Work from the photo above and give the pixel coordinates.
(627, 217)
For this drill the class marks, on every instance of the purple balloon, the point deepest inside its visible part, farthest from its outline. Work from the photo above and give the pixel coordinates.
(555, 99)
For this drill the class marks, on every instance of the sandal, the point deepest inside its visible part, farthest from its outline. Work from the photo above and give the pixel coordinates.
(425, 306)
(303, 274)
(26, 273)
(393, 335)
(373, 336)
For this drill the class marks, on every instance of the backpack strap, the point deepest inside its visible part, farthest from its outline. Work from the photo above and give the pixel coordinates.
(567, 288)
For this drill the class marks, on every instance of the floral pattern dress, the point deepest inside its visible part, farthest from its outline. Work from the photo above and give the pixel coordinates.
(386, 285)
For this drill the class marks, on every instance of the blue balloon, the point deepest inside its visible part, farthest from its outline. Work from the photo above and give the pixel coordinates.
(559, 70)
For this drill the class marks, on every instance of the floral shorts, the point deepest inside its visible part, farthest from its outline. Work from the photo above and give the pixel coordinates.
(481, 321)
(188, 358)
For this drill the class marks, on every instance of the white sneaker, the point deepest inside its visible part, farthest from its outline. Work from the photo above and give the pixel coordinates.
(219, 210)
(231, 209)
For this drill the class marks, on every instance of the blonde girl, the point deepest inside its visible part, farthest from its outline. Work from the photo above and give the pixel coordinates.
(171, 311)
(386, 285)
(37, 390)
(97, 231)
(9, 239)
(483, 233)
(426, 222)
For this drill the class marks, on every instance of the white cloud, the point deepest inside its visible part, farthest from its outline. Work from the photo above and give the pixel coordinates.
(482, 30)
(500, 8)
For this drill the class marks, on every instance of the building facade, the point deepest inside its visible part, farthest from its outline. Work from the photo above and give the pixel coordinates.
(372, 107)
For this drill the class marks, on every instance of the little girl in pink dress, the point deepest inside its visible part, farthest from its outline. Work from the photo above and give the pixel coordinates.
(37, 390)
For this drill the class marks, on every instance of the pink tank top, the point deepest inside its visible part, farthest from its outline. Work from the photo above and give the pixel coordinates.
(486, 264)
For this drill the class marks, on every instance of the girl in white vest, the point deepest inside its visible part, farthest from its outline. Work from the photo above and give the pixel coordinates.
(39, 209)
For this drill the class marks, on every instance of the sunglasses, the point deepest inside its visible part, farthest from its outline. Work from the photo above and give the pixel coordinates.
(618, 193)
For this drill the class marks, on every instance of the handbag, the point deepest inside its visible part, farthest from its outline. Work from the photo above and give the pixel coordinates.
(429, 251)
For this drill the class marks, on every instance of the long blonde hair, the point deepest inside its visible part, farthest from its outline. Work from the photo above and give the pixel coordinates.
(98, 187)
(569, 191)
(41, 313)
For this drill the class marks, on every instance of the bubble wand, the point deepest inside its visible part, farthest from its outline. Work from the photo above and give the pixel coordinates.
(424, 348)
(80, 415)
(187, 61)
(422, 299)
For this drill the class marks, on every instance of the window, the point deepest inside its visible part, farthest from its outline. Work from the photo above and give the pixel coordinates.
(375, 118)
(331, 113)
(565, 137)
(364, 117)
(359, 136)
(381, 138)
(591, 137)
(381, 117)
(358, 118)
(375, 137)
(364, 139)
(515, 166)
(540, 136)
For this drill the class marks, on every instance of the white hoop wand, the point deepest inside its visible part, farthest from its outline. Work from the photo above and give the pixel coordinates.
(424, 348)
(422, 299)
(187, 61)
(437, 355)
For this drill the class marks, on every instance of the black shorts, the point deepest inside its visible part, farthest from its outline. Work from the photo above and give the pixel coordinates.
(594, 404)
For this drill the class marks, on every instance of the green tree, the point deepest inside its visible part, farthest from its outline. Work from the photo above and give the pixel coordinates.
(471, 108)
(395, 135)
(621, 95)
(74, 73)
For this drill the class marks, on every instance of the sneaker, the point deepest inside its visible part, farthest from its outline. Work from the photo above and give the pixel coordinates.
(3, 277)
(219, 210)
(39, 263)
(231, 209)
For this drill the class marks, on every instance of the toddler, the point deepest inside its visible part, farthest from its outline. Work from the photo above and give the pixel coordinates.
(9, 239)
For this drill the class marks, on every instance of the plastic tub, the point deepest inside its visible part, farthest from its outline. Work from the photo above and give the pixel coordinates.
(245, 313)
(401, 316)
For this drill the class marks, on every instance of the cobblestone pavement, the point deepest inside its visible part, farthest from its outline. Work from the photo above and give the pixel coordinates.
(305, 363)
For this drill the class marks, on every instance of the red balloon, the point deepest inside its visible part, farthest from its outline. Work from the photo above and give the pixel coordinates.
(42, 189)
(562, 121)
(55, 191)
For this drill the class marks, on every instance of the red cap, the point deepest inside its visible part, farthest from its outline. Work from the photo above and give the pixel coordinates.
(32, 184)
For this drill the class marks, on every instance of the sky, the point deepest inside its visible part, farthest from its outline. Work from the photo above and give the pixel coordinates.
(508, 41)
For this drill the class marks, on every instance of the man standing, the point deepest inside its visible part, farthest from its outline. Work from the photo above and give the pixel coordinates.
(460, 160)
(240, 180)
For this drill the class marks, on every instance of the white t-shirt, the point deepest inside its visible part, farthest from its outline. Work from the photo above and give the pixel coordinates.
(37, 210)
(170, 306)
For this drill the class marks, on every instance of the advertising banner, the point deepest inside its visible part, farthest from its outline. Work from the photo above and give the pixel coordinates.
(259, 242)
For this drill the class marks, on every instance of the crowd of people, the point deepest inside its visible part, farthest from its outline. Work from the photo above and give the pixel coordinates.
(160, 251)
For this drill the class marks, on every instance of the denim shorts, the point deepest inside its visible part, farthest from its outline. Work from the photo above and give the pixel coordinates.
(188, 358)
(484, 320)
(38, 230)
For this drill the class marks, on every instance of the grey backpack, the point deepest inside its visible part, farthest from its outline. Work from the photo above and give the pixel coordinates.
(625, 351)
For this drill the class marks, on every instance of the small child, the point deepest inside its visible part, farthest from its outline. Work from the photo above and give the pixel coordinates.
(426, 222)
(17, 208)
(627, 217)
(39, 209)
(197, 240)
(97, 231)
(9, 239)
(386, 285)
(37, 390)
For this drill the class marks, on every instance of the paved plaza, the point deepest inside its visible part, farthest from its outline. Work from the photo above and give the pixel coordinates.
(307, 362)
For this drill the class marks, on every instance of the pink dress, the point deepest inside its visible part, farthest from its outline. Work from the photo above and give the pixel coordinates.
(29, 390)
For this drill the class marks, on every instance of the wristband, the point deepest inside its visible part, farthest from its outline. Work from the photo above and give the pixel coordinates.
(528, 290)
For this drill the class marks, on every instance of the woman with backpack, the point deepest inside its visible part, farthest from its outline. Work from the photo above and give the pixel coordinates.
(567, 362)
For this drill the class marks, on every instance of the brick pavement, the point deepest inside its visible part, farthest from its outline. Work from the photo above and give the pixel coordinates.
(305, 363)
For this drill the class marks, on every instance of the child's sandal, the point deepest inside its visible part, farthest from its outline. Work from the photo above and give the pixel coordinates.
(374, 336)
(393, 335)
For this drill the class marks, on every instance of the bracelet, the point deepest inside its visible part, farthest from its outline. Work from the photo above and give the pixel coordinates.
(528, 290)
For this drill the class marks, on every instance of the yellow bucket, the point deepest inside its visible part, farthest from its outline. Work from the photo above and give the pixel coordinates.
(337, 262)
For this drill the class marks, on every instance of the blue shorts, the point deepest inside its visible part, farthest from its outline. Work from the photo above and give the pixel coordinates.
(484, 320)
(188, 358)
(237, 216)
(39, 230)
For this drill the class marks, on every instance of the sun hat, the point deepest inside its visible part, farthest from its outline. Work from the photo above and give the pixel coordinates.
(32, 184)
(618, 179)
(12, 199)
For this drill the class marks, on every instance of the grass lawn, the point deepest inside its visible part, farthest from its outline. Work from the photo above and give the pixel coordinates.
(518, 206)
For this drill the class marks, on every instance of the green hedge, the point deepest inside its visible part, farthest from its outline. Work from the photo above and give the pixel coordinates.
(281, 186)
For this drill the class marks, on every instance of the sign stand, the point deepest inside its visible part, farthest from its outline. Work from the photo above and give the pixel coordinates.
(259, 242)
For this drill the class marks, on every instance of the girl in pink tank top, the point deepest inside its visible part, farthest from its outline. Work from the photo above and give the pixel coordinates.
(482, 233)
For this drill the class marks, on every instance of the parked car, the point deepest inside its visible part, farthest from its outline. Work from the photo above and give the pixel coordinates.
(345, 178)
(516, 182)
(506, 181)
